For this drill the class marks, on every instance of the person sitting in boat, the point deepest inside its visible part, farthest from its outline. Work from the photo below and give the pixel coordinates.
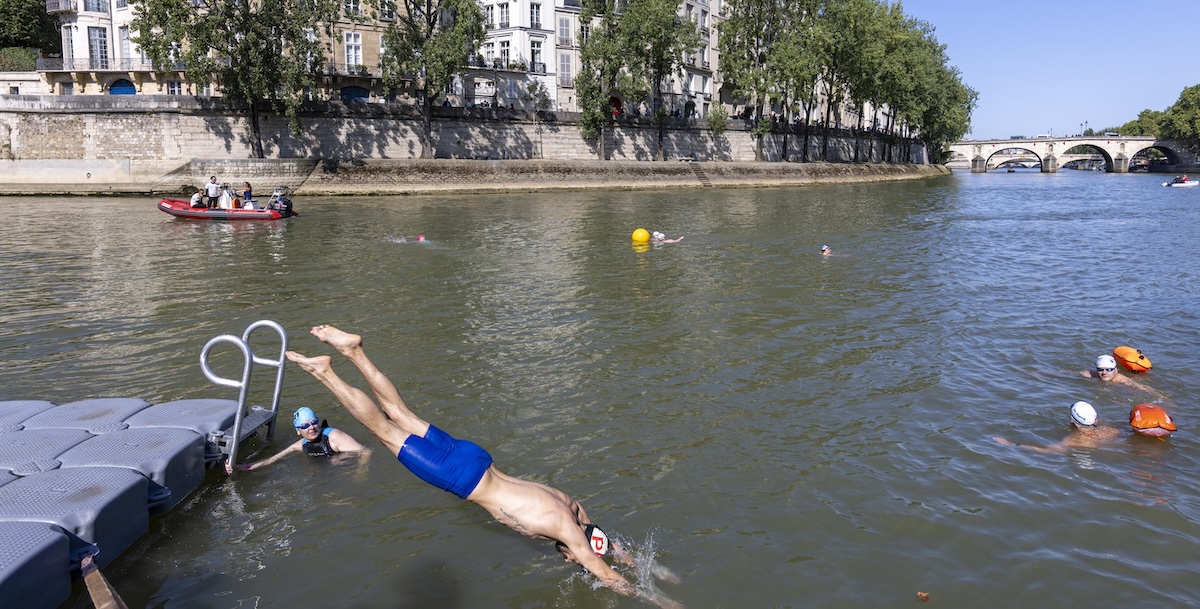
(317, 439)
(198, 200)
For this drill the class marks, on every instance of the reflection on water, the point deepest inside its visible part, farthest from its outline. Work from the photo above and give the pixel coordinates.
(780, 428)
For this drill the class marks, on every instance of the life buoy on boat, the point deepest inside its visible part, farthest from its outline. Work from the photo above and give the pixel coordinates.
(1151, 420)
(1131, 359)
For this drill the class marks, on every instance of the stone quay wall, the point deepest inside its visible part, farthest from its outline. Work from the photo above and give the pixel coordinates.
(150, 143)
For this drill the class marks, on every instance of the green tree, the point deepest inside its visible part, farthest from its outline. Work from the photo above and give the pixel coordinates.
(24, 23)
(794, 64)
(656, 38)
(745, 38)
(428, 44)
(1182, 120)
(1148, 122)
(17, 59)
(849, 54)
(263, 54)
(601, 62)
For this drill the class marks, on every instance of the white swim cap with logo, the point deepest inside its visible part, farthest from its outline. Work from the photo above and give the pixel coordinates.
(597, 539)
(1083, 414)
(1106, 361)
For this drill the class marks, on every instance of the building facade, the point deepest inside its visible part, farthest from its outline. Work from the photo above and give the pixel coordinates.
(101, 57)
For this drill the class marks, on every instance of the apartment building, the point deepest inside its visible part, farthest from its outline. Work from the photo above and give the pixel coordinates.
(100, 56)
(534, 41)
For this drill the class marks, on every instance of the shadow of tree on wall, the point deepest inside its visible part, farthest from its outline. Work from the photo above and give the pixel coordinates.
(219, 118)
(486, 134)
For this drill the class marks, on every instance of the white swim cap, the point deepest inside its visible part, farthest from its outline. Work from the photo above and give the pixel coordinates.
(597, 539)
(824, 247)
(1106, 361)
(659, 236)
(1083, 414)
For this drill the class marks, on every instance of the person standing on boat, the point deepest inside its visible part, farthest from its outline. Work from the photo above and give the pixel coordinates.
(212, 191)
(317, 439)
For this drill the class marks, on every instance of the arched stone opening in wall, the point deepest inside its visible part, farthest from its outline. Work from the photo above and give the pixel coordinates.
(1084, 156)
(355, 94)
(122, 87)
(1152, 158)
(1015, 156)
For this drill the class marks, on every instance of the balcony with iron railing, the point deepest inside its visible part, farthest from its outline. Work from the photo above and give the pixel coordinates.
(500, 63)
(535, 25)
(503, 25)
(564, 42)
(102, 64)
(61, 6)
(352, 69)
(566, 81)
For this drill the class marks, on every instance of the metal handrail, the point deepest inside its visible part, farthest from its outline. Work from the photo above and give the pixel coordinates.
(278, 363)
(242, 385)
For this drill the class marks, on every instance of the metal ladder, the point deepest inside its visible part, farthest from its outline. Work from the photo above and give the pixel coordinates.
(249, 419)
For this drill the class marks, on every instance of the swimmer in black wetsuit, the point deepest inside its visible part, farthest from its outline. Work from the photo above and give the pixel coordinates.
(466, 469)
(316, 439)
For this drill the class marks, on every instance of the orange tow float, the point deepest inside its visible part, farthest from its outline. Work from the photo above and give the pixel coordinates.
(1151, 420)
(1131, 359)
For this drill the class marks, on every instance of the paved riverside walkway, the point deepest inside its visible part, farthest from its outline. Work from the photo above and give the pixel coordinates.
(408, 177)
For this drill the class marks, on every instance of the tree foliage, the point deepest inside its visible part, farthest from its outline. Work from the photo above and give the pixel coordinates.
(1148, 122)
(601, 59)
(656, 39)
(428, 43)
(24, 23)
(261, 53)
(1182, 120)
(746, 38)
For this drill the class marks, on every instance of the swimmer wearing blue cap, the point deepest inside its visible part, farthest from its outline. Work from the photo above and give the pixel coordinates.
(317, 439)
(466, 469)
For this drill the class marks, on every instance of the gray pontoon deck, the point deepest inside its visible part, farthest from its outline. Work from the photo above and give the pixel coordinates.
(85, 477)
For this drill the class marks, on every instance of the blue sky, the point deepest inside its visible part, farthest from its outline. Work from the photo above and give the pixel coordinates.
(1046, 66)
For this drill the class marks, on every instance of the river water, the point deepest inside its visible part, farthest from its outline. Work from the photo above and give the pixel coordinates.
(780, 428)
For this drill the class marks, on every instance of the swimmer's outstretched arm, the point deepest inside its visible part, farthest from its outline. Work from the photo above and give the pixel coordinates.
(295, 447)
(1057, 447)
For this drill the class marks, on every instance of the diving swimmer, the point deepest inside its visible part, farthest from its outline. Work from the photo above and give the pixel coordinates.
(467, 470)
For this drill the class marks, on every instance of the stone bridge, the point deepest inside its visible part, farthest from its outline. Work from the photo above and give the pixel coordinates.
(1051, 152)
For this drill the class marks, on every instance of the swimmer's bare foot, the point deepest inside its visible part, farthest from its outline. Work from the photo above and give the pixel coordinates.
(316, 366)
(664, 574)
(342, 341)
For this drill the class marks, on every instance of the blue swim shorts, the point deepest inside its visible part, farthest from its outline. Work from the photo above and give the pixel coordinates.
(452, 465)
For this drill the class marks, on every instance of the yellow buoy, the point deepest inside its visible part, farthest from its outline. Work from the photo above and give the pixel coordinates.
(641, 236)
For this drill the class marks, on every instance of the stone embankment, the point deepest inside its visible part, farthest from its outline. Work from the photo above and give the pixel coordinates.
(407, 177)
